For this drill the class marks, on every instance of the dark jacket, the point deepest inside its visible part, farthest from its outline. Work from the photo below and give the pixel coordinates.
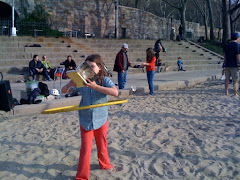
(33, 65)
(118, 65)
(67, 64)
(180, 30)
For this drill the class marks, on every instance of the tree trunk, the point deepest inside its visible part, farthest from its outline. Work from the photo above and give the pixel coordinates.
(183, 20)
(206, 28)
(225, 22)
(136, 3)
(212, 38)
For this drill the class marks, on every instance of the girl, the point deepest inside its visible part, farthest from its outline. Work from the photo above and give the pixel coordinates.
(150, 68)
(93, 122)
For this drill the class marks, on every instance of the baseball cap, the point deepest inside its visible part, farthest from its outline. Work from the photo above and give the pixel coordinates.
(125, 45)
(235, 36)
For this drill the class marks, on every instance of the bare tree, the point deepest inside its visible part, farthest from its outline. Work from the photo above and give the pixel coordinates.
(211, 20)
(225, 22)
(181, 7)
(202, 8)
(234, 13)
(217, 6)
(228, 10)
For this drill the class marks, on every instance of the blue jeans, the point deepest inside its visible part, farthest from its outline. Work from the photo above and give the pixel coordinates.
(122, 79)
(150, 76)
(159, 68)
(44, 72)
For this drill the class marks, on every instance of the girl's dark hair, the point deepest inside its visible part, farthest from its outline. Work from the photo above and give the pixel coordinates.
(98, 60)
(150, 54)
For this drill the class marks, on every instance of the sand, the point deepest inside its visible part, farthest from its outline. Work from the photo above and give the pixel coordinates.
(176, 134)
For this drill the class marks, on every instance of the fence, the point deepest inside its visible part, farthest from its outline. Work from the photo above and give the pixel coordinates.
(28, 29)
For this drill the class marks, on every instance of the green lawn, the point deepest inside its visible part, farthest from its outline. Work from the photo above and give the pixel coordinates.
(217, 48)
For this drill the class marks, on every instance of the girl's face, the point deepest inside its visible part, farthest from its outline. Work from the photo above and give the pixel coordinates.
(94, 66)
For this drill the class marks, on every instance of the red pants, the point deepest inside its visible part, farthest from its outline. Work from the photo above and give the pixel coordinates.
(100, 136)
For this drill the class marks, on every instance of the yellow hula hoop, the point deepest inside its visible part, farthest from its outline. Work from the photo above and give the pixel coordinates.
(74, 108)
(238, 87)
(237, 93)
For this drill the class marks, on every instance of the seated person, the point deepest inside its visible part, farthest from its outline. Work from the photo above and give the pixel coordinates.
(36, 67)
(69, 63)
(48, 67)
(46, 63)
(180, 64)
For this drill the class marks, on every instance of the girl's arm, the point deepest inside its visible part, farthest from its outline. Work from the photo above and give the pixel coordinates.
(152, 63)
(112, 91)
(144, 64)
(66, 88)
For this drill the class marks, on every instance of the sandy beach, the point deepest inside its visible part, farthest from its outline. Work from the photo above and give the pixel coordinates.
(177, 134)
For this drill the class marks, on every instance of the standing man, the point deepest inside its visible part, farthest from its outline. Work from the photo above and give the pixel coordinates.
(180, 32)
(231, 62)
(121, 66)
(36, 67)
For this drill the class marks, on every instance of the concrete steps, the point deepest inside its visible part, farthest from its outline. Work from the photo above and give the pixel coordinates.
(14, 56)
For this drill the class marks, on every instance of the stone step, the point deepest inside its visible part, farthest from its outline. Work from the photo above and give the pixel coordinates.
(132, 55)
(32, 39)
(14, 56)
(58, 46)
(56, 59)
(53, 62)
(20, 69)
(16, 77)
(51, 55)
(28, 52)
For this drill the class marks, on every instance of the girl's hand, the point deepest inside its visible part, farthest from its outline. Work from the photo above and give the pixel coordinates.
(72, 83)
(90, 84)
(66, 88)
(144, 64)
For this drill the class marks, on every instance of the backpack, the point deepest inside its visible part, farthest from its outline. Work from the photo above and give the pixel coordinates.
(33, 95)
(44, 89)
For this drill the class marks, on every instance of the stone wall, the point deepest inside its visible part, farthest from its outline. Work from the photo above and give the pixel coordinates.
(88, 16)
(140, 24)
(19, 4)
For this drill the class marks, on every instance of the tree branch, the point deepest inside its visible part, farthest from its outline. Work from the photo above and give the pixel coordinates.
(235, 19)
(170, 4)
(200, 9)
(231, 11)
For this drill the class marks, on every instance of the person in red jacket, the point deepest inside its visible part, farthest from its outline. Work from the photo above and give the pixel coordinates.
(150, 68)
(121, 66)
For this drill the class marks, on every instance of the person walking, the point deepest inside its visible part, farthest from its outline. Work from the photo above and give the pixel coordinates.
(121, 66)
(231, 62)
(150, 68)
(93, 122)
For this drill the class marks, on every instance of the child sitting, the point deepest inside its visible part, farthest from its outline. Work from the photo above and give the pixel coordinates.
(180, 64)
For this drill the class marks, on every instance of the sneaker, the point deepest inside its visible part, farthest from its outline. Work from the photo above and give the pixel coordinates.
(49, 80)
(222, 78)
